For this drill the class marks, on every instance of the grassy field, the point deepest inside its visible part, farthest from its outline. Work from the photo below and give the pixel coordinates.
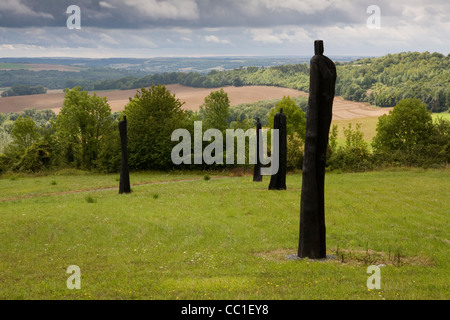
(369, 126)
(180, 236)
(16, 66)
(445, 116)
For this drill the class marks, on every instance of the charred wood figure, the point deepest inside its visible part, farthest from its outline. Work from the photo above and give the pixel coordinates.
(124, 184)
(257, 177)
(278, 180)
(312, 242)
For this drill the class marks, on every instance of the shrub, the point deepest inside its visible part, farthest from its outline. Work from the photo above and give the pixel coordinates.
(295, 152)
(35, 158)
(407, 125)
(354, 155)
(407, 136)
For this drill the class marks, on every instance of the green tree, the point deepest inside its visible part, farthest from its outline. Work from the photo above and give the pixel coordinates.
(2, 118)
(296, 120)
(24, 133)
(409, 124)
(242, 122)
(152, 117)
(27, 151)
(81, 126)
(5, 140)
(438, 147)
(216, 110)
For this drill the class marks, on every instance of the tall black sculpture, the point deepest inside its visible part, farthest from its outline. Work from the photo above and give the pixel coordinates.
(312, 214)
(278, 180)
(257, 177)
(124, 184)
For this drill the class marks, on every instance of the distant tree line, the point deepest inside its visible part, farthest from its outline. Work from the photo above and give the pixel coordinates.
(387, 80)
(23, 90)
(380, 81)
(85, 135)
(53, 79)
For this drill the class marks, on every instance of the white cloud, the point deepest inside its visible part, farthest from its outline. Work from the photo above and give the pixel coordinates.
(280, 35)
(213, 38)
(105, 4)
(168, 9)
(301, 6)
(265, 36)
(8, 46)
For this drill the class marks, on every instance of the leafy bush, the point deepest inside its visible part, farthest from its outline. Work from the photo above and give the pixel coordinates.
(295, 152)
(407, 136)
(36, 158)
(354, 155)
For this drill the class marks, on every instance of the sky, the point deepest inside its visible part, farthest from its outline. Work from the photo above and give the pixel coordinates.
(197, 28)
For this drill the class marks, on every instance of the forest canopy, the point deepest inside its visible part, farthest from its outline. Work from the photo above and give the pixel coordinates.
(381, 81)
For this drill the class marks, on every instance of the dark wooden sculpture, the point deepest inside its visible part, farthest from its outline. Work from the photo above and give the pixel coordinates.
(257, 176)
(312, 214)
(124, 184)
(278, 180)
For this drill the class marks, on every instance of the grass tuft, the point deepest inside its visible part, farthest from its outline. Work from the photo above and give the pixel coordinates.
(90, 199)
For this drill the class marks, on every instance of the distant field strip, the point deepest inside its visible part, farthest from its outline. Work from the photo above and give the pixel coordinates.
(193, 98)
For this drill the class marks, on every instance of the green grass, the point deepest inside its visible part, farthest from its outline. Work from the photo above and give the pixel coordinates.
(369, 126)
(14, 186)
(223, 238)
(445, 116)
(14, 66)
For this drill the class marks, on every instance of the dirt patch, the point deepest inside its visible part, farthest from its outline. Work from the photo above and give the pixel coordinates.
(241, 172)
(105, 188)
(117, 99)
(344, 109)
(353, 257)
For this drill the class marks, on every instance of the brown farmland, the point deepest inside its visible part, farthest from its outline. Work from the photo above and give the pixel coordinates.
(193, 98)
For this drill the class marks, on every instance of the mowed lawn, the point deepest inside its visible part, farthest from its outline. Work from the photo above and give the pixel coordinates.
(226, 238)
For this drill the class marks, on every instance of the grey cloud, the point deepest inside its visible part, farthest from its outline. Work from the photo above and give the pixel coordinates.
(139, 14)
(209, 27)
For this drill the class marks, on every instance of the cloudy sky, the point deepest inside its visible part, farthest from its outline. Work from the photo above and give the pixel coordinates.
(156, 28)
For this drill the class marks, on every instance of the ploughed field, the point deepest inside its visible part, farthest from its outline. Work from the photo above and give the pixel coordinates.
(193, 98)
